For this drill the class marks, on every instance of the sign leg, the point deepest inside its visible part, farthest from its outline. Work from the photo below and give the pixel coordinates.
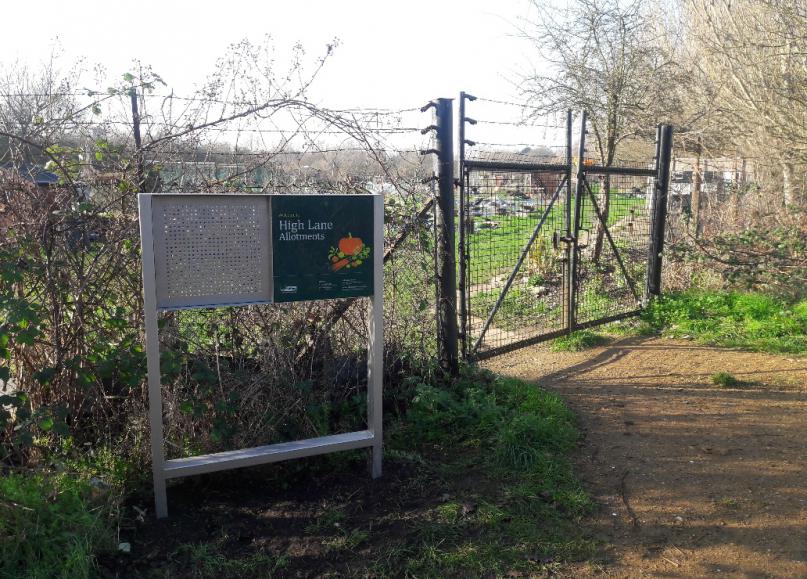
(153, 357)
(375, 354)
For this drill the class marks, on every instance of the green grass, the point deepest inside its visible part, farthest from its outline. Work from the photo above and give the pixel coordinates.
(51, 526)
(513, 439)
(519, 308)
(749, 321)
(495, 251)
(577, 341)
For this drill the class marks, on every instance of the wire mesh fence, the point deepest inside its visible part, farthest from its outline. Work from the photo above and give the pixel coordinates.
(510, 215)
(550, 243)
(614, 242)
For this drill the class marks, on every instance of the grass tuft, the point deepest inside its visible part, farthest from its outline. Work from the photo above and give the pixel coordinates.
(578, 341)
(725, 380)
(212, 560)
(51, 526)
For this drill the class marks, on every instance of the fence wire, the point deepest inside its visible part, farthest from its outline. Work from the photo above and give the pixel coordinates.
(504, 210)
(232, 377)
(612, 269)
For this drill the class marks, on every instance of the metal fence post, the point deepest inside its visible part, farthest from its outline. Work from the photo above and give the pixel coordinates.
(571, 321)
(567, 286)
(463, 253)
(463, 326)
(446, 248)
(659, 208)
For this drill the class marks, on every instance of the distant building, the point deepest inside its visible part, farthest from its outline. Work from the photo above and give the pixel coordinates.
(717, 177)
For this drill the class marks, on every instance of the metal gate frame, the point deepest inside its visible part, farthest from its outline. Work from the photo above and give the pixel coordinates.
(470, 346)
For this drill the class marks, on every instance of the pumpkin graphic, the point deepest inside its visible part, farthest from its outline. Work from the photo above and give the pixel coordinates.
(351, 252)
(350, 245)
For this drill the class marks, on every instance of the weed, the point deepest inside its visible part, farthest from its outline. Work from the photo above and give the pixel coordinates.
(328, 520)
(577, 341)
(725, 380)
(346, 540)
(728, 503)
(201, 560)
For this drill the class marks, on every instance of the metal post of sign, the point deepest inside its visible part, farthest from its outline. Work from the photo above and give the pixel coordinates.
(246, 221)
(153, 356)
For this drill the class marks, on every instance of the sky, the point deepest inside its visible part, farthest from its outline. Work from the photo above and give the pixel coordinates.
(390, 55)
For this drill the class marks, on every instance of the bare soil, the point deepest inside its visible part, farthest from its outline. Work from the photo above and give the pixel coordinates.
(691, 479)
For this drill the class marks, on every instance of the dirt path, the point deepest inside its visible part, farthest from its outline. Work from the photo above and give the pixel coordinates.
(693, 480)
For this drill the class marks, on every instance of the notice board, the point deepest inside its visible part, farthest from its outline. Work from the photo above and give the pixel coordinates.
(207, 251)
(219, 250)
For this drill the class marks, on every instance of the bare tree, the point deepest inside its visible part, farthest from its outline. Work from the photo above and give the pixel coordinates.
(750, 57)
(606, 57)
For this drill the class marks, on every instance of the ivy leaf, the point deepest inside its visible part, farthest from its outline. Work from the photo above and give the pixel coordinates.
(27, 337)
(25, 438)
(128, 77)
(61, 429)
(5, 374)
(46, 424)
(45, 375)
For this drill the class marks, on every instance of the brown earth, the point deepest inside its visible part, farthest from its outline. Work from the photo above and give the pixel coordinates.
(691, 479)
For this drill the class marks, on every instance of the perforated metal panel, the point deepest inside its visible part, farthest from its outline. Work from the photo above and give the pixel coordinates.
(211, 250)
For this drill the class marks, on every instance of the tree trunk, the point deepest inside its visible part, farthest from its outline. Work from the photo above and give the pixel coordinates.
(604, 196)
(695, 198)
(788, 194)
(604, 202)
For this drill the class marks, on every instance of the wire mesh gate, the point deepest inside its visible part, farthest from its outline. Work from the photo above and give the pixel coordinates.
(547, 246)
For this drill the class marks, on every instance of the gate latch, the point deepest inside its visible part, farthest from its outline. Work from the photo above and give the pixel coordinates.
(558, 238)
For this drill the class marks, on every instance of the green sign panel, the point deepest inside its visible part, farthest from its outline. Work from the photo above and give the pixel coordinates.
(322, 247)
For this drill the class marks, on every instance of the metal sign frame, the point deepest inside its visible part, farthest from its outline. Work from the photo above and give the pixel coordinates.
(163, 469)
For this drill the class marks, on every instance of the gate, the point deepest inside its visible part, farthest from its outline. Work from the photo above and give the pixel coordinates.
(548, 246)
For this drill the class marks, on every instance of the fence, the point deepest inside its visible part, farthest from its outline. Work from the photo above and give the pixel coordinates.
(232, 378)
(543, 246)
(538, 260)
